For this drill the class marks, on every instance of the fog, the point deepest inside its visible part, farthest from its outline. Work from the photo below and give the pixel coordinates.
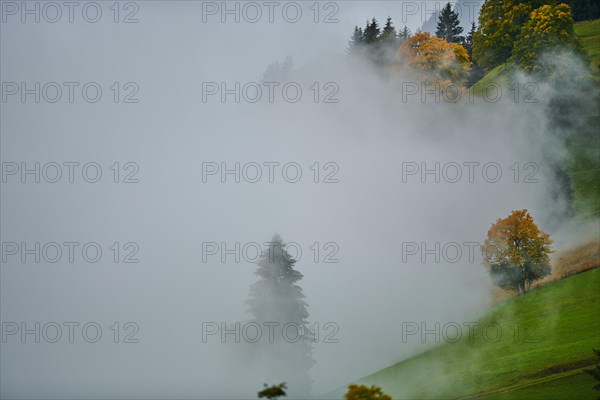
(171, 134)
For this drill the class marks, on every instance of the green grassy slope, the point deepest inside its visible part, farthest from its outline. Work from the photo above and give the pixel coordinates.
(583, 168)
(584, 173)
(589, 35)
(501, 75)
(559, 324)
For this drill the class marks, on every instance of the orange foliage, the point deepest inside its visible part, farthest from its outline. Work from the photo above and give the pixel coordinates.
(434, 60)
(516, 251)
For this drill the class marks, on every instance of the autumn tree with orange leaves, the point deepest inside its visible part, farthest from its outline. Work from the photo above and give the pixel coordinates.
(516, 252)
(434, 61)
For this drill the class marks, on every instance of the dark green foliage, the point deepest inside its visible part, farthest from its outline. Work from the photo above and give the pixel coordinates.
(469, 41)
(475, 75)
(273, 392)
(448, 26)
(476, 72)
(404, 33)
(584, 10)
(362, 392)
(371, 32)
(389, 32)
(377, 45)
(500, 23)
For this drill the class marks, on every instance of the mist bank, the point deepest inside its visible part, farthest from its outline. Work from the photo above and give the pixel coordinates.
(368, 173)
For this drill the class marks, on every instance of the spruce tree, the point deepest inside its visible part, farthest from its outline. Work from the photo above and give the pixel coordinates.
(372, 32)
(277, 299)
(389, 43)
(404, 33)
(469, 41)
(389, 32)
(476, 72)
(275, 296)
(448, 26)
(356, 41)
(277, 72)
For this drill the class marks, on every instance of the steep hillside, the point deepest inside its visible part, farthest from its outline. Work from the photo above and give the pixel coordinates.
(546, 341)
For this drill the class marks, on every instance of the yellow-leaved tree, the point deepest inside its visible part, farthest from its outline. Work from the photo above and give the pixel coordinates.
(500, 22)
(362, 392)
(548, 32)
(434, 61)
(516, 252)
